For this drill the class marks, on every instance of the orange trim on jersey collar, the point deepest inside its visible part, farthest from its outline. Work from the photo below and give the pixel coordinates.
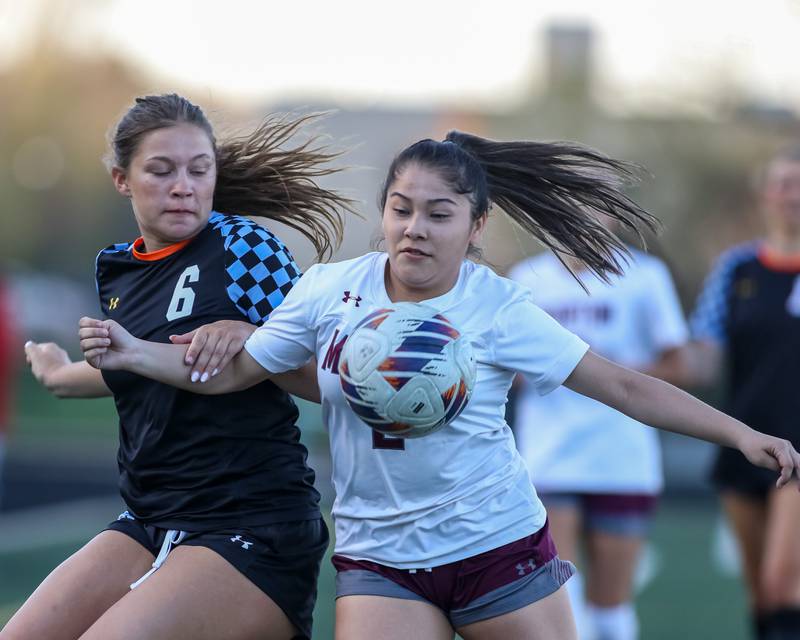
(152, 256)
(777, 262)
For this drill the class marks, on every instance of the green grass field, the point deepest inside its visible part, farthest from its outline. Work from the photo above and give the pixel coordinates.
(688, 598)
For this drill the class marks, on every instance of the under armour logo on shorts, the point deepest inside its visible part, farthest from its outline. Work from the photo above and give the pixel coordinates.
(522, 567)
(245, 544)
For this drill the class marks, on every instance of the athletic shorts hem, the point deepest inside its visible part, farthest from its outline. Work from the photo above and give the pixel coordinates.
(281, 560)
(543, 582)
(618, 514)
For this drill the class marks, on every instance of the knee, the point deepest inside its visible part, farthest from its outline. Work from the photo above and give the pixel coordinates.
(778, 587)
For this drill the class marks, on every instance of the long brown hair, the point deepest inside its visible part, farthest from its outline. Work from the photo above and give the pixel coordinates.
(554, 191)
(257, 173)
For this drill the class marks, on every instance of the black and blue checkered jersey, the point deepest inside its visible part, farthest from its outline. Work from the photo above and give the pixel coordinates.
(750, 306)
(195, 462)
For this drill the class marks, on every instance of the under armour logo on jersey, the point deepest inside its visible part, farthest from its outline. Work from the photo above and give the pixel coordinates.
(347, 297)
(125, 515)
(112, 303)
(245, 544)
(521, 568)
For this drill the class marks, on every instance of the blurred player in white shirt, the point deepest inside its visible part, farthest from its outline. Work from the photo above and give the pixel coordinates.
(598, 471)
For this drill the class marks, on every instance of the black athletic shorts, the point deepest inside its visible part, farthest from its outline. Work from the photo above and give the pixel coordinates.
(281, 559)
(734, 473)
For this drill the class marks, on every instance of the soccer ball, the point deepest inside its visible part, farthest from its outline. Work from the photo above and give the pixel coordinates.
(406, 371)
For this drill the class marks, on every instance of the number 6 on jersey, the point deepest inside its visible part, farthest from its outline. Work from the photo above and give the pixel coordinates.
(183, 297)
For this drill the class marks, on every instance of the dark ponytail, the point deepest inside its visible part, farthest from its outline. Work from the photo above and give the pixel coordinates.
(554, 191)
(256, 174)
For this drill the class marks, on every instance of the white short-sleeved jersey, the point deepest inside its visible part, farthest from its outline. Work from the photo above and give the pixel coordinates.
(571, 442)
(457, 492)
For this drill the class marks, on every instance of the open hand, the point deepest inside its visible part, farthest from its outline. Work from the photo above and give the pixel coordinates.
(212, 346)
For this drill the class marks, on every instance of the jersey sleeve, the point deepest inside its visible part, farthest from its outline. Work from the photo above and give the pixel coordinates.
(287, 339)
(101, 269)
(709, 318)
(664, 315)
(260, 269)
(529, 341)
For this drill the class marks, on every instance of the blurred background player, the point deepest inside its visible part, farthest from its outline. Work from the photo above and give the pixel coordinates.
(446, 533)
(598, 471)
(747, 328)
(222, 535)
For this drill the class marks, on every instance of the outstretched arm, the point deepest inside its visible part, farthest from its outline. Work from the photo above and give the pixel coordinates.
(213, 346)
(52, 367)
(107, 345)
(663, 406)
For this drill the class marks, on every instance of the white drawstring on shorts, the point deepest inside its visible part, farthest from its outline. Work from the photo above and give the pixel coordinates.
(172, 538)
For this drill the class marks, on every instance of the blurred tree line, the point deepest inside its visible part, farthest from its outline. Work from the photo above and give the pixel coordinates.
(59, 207)
(58, 204)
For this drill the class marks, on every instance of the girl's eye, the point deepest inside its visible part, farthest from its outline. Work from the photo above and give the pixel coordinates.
(401, 212)
(160, 172)
(439, 216)
(199, 172)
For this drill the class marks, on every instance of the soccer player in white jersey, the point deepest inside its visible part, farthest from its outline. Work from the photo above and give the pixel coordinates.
(446, 533)
(597, 471)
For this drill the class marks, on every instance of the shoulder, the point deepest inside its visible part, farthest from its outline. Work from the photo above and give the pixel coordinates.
(334, 275)
(646, 266)
(241, 234)
(106, 257)
(121, 248)
(499, 291)
(737, 255)
(533, 268)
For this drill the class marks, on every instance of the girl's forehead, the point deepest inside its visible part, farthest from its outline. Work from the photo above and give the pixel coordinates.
(415, 180)
(178, 140)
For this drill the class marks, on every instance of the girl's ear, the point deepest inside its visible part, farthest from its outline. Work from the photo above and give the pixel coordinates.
(120, 179)
(478, 227)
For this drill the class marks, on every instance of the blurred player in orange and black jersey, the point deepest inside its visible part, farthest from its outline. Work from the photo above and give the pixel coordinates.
(749, 316)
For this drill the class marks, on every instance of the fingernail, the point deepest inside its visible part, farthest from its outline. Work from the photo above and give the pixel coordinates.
(189, 360)
(195, 376)
(214, 372)
(29, 342)
(204, 377)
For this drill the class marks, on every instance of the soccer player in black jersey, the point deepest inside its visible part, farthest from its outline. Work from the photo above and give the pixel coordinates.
(749, 315)
(222, 536)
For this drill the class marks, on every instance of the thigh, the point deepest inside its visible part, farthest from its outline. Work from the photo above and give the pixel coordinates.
(780, 565)
(565, 521)
(611, 562)
(365, 617)
(80, 589)
(747, 516)
(195, 595)
(547, 619)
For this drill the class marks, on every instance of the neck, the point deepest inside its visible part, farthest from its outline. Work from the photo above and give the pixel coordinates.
(783, 245)
(400, 292)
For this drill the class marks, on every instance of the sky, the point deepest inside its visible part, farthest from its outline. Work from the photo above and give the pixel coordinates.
(650, 54)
